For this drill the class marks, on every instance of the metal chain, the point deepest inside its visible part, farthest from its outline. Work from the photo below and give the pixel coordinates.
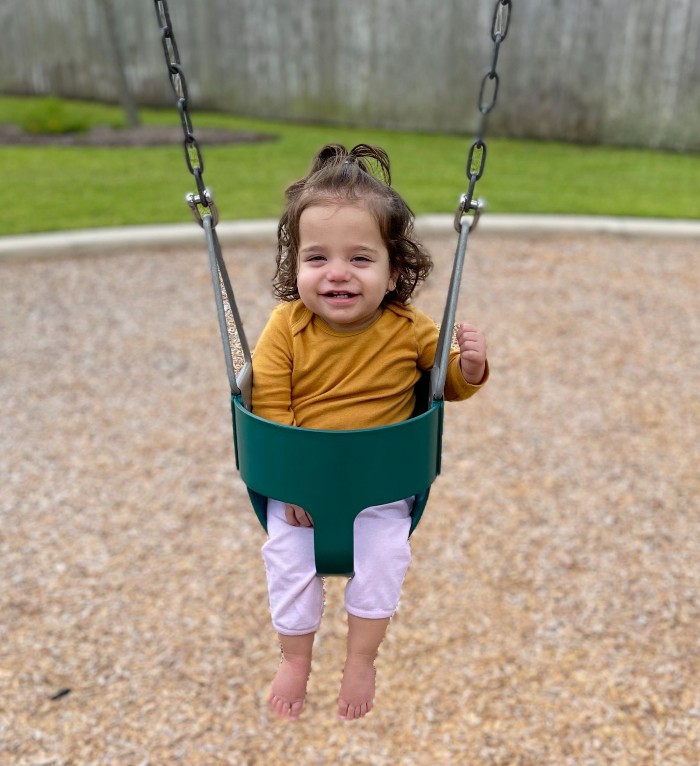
(202, 203)
(488, 95)
(476, 162)
(476, 159)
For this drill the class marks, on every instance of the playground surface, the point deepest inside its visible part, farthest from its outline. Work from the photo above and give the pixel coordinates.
(551, 612)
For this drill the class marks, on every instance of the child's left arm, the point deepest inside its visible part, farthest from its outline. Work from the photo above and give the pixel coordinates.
(472, 349)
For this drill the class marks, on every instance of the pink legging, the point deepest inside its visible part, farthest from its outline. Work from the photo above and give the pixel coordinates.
(382, 556)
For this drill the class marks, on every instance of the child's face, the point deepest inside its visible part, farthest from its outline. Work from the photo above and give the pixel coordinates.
(343, 272)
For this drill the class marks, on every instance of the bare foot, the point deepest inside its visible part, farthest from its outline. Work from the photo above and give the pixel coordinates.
(289, 687)
(356, 695)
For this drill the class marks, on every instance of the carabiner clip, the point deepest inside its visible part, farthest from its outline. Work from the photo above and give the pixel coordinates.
(195, 202)
(465, 205)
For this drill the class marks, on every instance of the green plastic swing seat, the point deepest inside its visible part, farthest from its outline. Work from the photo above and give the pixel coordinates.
(334, 475)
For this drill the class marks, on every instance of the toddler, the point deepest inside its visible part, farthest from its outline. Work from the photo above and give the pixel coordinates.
(344, 350)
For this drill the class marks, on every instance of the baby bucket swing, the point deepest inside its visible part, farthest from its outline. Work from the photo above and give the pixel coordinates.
(388, 462)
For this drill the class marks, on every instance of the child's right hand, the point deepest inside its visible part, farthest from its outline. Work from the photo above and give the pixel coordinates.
(297, 516)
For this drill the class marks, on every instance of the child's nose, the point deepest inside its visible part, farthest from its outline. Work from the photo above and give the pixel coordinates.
(338, 273)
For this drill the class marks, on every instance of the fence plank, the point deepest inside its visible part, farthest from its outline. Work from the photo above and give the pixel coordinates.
(590, 71)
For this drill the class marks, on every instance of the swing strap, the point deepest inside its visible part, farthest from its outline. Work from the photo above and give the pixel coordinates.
(476, 163)
(241, 383)
(206, 214)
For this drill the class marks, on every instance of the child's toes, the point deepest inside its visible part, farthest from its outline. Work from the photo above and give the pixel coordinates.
(295, 709)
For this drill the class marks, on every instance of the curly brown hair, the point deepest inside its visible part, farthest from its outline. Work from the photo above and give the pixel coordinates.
(339, 175)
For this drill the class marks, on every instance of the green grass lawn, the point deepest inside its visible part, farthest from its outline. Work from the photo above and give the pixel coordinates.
(56, 188)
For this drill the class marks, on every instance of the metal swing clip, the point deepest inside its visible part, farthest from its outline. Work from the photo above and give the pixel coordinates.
(465, 205)
(201, 208)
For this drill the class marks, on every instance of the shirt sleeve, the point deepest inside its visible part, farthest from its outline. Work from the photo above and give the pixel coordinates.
(456, 387)
(272, 370)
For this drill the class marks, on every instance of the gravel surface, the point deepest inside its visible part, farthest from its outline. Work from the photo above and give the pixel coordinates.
(551, 612)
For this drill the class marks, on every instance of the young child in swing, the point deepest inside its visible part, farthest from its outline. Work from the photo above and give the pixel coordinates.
(344, 350)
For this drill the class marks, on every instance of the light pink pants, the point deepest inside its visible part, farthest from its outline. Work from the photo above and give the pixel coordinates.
(382, 556)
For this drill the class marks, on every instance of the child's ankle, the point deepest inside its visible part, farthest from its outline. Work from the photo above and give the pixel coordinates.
(360, 659)
(297, 661)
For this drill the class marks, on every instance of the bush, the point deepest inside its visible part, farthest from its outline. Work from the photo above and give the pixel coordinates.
(51, 115)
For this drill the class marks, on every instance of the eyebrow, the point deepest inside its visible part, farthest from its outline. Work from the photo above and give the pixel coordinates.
(359, 246)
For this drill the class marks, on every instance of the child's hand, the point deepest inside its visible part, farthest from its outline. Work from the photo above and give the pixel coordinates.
(472, 347)
(297, 516)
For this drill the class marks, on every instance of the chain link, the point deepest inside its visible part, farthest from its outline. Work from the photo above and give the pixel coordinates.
(201, 203)
(488, 95)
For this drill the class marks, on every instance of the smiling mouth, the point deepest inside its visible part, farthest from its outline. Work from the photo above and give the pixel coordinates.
(338, 294)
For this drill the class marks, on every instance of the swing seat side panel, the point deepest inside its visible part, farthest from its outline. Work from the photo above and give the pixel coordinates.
(336, 474)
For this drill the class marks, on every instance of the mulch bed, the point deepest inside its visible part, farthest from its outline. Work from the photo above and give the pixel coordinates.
(550, 616)
(144, 135)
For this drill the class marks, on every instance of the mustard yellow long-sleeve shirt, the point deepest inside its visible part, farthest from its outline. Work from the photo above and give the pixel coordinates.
(307, 374)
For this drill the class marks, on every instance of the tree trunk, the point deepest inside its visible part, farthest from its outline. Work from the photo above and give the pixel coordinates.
(125, 95)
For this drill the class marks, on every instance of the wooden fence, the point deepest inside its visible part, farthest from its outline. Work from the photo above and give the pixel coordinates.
(599, 71)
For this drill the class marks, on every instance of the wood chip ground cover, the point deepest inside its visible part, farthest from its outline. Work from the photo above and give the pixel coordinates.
(551, 612)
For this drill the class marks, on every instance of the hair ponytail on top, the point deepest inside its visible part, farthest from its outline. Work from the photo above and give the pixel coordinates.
(369, 159)
(361, 174)
(335, 171)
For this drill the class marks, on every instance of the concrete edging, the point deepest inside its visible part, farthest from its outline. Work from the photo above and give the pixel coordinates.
(129, 238)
